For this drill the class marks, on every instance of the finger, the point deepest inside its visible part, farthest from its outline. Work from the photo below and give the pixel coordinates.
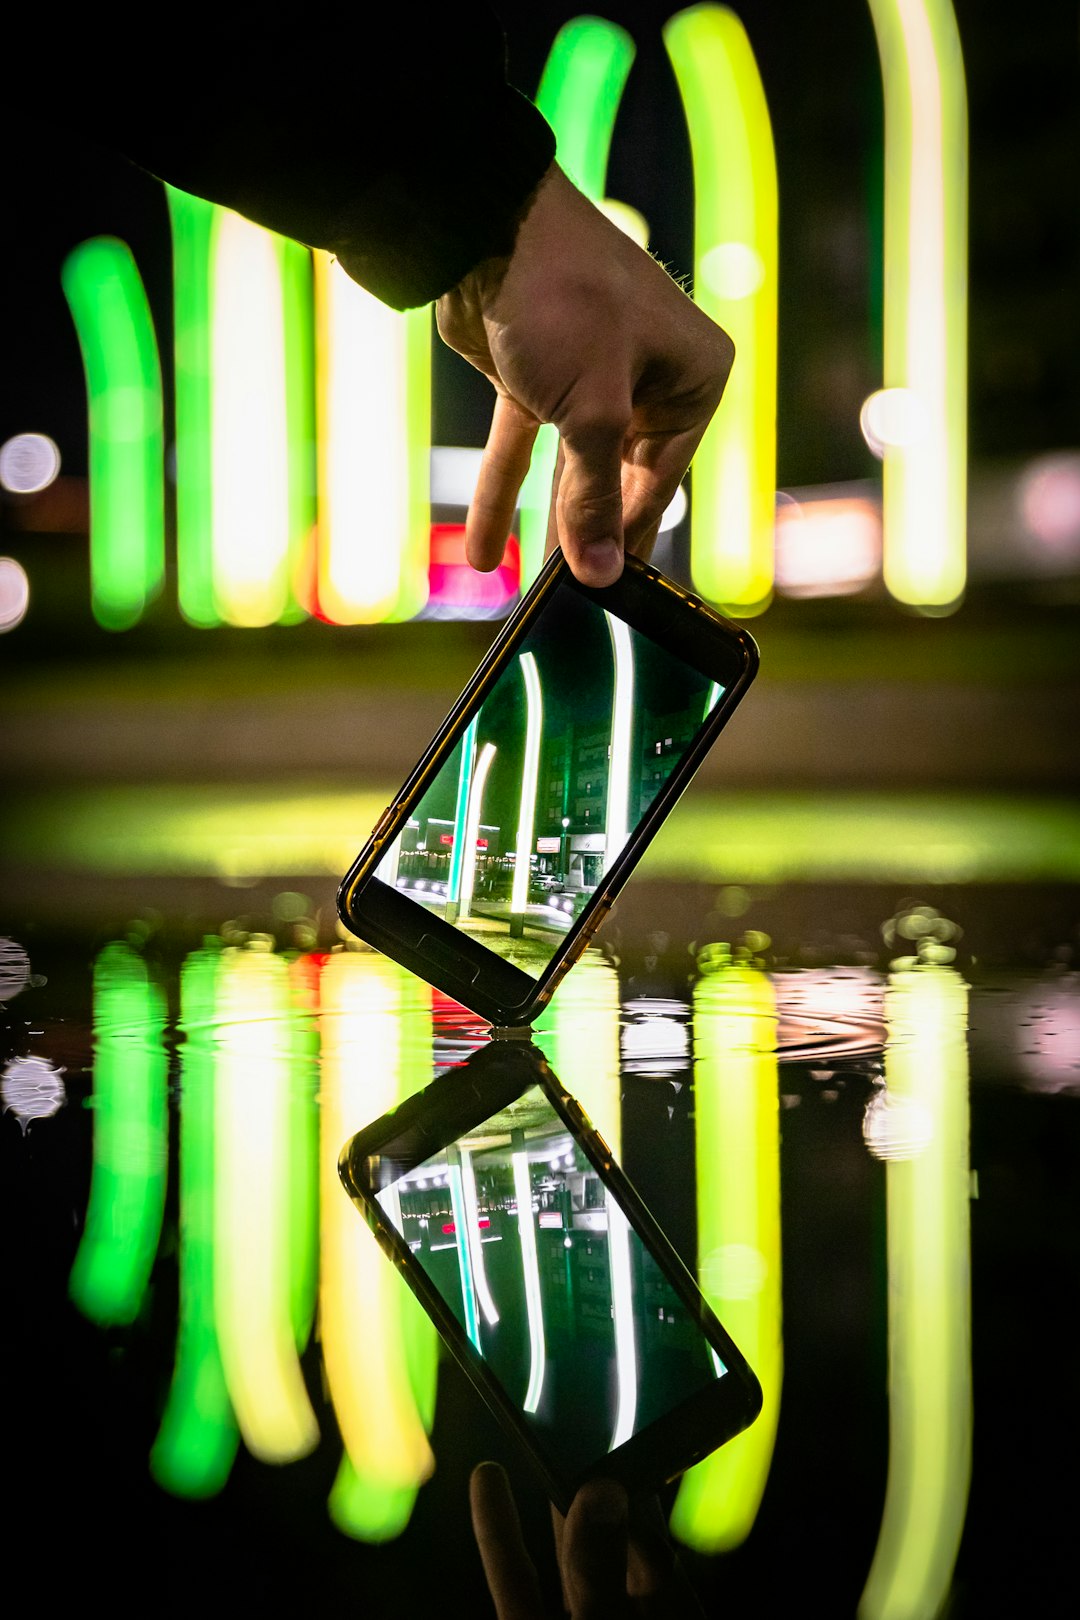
(655, 1578)
(508, 1569)
(655, 467)
(551, 543)
(558, 1530)
(502, 471)
(594, 1550)
(589, 511)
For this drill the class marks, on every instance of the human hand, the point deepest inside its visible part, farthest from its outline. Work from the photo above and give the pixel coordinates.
(582, 328)
(614, 1555)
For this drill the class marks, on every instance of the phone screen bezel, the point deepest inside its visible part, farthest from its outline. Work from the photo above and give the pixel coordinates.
(429, 1121)
(444, 955)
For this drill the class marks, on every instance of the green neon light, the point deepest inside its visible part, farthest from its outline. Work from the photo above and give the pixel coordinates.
(191, 219)
(112, 317)
(925, 298)
(738, 1209)
(534, 725)
(198, 1438)
(461, 807)
(924, 1139)
(303, 1177)
(298, 303)
(579, 94)
(735, 282)
(131, 1141)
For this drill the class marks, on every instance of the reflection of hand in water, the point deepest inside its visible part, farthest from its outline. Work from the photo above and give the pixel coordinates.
(614, 1556)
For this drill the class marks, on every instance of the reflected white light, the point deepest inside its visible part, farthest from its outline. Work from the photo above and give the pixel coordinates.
(14, 593)
(29, 462)
(617, 825)
(892, 418)
(476, 1248)
(465, 1255)
(30, 1088)
(14, 969)
(531, 1269)
(896, 1127)
(732, 270)
(472, 828)
(622, 1310)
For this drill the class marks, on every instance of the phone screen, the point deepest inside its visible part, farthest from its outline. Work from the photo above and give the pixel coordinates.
(564, 756)
(549, 1281)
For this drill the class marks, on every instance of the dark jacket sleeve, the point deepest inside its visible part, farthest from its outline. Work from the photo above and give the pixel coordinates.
(386, 134)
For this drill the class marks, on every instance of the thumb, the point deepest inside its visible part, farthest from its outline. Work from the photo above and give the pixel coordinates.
(588, 509)
(594, 1551)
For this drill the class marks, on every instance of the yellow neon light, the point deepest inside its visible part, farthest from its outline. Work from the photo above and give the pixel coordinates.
(249, 457)
(253, 1293)
(738, 1209)
(735, 282)
(534, 725)
(617, 825)
(920, 1126)
(579, 1034)
(925, 299)
(472, 828)
(378, 1347)
(373, 391)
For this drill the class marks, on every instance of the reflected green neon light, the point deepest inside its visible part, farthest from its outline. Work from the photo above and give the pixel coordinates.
(735, 282)
(197, 1440)
(617, 823)
(925, 299)
(462, 1241)
(131, 1141)
(534, 725)
(920, 1127)
(191, 219)
(112, 318)
(476, 1246)
(254, 1296)
(472, 828)
(737, 1156)
(461, 807)
(579, 94)
(530, 1267)
(379, 1348)
(373, 388)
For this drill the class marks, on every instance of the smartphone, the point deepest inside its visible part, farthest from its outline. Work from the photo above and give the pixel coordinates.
(551, 1284)
(506, 847)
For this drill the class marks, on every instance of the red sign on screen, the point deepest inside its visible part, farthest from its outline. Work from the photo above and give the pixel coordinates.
(446, 838)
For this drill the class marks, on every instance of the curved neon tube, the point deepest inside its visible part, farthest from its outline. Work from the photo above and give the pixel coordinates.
(472, 828)
(476, 1246)
(115, 329)
(131, 1141)
(925, 298)
(191, 220)
(461, 807)
(619, 817)
(463, 1244)
(928, 1186)
(531, 1269)
(534, 726)
(622, 1312)
(737, 1154)
(579, 94)
(733, 506)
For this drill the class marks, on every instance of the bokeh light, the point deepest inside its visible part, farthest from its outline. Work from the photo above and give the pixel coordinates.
(14, 593)
(29, 462)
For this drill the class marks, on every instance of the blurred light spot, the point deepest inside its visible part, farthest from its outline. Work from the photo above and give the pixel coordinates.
(675, 511)
(896, 1127)
(626, 219)
(28, 462)
(1050, 499)
(732, 270)
(14, 969)
(455, 590)
(734, 1271)
(733, 901)
(31, 1088)
(827, 544)
(893, 417)
(1047, 1035)
(14, 593)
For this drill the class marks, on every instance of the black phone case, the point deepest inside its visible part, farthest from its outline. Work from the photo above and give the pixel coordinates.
(443, 955)
(655, 1455)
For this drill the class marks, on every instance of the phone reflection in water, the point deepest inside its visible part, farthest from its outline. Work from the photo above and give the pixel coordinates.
(537, 800)
(551, 1284)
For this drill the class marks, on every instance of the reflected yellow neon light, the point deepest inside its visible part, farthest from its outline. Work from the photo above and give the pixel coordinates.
(373, 390)
(472, 828)
(530, 1267)
(253, 1292)
(738, 1210)
(131, 1141)
(735, 282)
(579, 1034)
(378, 1346)
(579, 94)
(617, 825)
(196, 1443)
(534, 725)
(925, 299)
(249, 439)
(920, 1126)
